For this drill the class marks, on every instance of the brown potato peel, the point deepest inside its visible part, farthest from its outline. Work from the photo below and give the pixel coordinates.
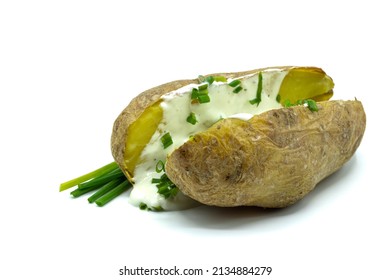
(273, 160)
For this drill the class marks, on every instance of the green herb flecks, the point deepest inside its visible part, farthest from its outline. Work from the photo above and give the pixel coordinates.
(203, 89)
(211, 79)
(201, 94)
(220, 79)
(160, 166)
(192, 118)
(144, 206)
(194, 93)
(309, 103)
(166, 140)
(257, 100)
(234, 83)
(164, 185)
(237, 89)
(204, 98)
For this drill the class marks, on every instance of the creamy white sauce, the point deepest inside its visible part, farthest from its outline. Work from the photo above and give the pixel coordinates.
(177, 107)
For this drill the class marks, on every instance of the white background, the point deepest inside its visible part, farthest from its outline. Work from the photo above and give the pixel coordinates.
(67, 69)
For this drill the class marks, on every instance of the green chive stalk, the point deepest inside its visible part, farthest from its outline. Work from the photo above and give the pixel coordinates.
(105, 189)
(108, 182)
(74, 182)
(122, 187)
(102, 179)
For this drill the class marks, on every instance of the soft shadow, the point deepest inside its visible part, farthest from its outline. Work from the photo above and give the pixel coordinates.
(208, 217)
(333, 183)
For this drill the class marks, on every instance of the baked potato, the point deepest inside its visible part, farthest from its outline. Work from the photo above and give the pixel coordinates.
(272, 160)
(232, 139)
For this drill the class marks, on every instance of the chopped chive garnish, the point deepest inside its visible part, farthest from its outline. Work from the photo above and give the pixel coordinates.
(259, 86)
(287, 103)
(237, 89)
(160, 166)
(234, 83)
(200, 94)
(86, 177)
(257, 100)
(157, 208)
(191, 118)
(166, 140)
(210, 80)
(201, 78)
(194, 93)
(220, 79)
(155, 180)
(143, 206)
(165, 187)
(203, 87)
(203, 98)
(278, 98)
(312, 105)
(164, 177)
(118, 190)
(203, 92)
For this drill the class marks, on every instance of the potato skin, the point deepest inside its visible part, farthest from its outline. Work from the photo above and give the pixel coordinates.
(132, 112)
(146, 99)
(273, 160)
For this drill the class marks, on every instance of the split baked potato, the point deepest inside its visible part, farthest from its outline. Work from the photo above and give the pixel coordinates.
(264, 138)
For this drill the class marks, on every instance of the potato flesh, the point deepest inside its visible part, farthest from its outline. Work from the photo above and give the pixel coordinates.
(299, 83)
(304, 83)
(139, 134)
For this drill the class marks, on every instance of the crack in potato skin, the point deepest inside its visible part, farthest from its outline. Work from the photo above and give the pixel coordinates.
(273, 160)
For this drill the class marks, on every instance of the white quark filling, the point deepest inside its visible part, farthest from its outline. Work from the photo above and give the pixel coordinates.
(177, 107)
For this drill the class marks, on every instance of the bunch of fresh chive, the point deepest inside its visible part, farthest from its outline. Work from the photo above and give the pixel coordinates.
(107, 183)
